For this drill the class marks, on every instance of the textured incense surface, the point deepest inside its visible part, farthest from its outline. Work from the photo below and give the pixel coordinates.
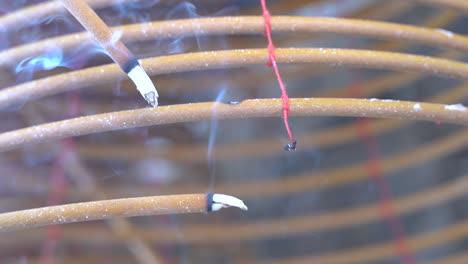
(378, 110)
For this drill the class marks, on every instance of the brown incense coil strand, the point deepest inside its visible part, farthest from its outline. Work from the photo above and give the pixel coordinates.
(43, 10)
(261, 147)
(249, 108)
(101, 33)
(79, 212)
(270, 228)
(230, 59)
(243, 25)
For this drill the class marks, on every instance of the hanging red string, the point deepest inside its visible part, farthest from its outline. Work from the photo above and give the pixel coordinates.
(272, 63)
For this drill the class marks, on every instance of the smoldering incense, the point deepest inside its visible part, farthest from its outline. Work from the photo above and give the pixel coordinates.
(216, 202)
(272, 63)
(107, 209)
(114, 47)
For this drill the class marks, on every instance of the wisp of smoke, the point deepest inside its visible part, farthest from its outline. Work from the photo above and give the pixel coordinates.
(212, 140)
(55, 58)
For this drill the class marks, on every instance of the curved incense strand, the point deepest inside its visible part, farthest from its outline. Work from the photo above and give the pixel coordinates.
(248, 25)
(128, 207)
(94, 76)
(248, 108)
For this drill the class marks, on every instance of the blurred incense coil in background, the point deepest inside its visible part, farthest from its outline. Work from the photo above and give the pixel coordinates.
(390, 189)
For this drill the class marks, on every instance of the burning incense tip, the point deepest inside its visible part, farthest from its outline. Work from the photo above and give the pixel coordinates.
(118, 51)
(151, 99)
(218, 201)
(144, 85)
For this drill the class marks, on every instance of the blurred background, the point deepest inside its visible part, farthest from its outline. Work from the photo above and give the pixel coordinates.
(355, 191)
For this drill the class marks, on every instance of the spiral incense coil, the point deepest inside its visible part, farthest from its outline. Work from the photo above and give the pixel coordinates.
(374, 91)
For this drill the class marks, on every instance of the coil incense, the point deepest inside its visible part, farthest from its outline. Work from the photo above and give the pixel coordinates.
(114, 47)
(107, 209)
